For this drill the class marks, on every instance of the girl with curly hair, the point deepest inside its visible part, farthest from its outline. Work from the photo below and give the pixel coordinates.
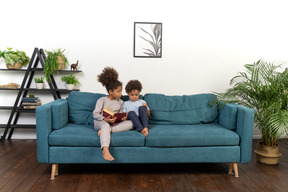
(109, 79)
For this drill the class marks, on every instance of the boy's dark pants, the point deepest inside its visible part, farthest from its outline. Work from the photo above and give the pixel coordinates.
(141, 121)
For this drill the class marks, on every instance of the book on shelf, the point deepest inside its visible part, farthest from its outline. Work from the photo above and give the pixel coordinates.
(29, 99)
(31, 103)
(111, 114)
(30, 107)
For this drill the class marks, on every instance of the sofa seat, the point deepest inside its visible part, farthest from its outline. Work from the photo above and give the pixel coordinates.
(191, 135)
(87, 136)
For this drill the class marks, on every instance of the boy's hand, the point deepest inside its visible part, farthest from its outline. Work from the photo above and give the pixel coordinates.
(148, 111)
(109, 120)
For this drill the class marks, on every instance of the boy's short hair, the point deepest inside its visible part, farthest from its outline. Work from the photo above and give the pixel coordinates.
(133, 85)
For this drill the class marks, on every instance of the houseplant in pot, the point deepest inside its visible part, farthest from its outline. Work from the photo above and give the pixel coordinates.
(54, 61)
(265, 90)
(14, 59)
(70, 81)
(39, 82)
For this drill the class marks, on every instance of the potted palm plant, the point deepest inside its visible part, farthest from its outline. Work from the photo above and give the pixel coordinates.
(70, 81)
(264, 89)
(39, 82)
(14, 59)
(54, 61)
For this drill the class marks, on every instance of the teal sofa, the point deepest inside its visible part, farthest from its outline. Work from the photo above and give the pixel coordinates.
(183, 129)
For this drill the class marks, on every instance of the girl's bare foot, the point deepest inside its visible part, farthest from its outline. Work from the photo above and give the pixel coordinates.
(145, 131)
(99, 132)
(106, 154)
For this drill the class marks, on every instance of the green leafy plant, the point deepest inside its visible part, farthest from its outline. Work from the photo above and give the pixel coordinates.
(11, 57)
(52, 62)
(71, 79)
(155, 40)
(39, 80)
(264, 89)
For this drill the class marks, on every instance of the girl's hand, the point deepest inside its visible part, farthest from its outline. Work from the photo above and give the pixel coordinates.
(109, 120)
(124, 118)
(145, 104)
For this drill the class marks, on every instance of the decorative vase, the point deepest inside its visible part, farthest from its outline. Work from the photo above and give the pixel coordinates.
(60, 62)
(268, 155)
(39, 85)
(69, 86)
(15, 66)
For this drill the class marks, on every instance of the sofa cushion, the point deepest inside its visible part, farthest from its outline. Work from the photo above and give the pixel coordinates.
(190, 136)
(81, 106)
(228, 116)
(59, 114)
(180, 110)
(86, 135)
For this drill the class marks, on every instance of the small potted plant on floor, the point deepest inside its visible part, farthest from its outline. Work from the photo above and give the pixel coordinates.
(264, 89)
(39, 82)
(70, 81)
(54, 61)
(14, 59)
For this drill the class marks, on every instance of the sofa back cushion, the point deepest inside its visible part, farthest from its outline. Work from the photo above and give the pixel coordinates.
(181, 110)
(81, 106)
(228, 116)
(59, 111)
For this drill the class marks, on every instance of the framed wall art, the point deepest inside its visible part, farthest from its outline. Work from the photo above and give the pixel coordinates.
(147, 40)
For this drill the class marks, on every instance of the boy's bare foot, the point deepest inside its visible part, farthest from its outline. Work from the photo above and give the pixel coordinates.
(99, 132)
(106, 154)
(145, 131)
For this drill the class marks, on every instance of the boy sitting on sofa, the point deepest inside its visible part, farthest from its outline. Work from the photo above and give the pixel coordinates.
(137, 109)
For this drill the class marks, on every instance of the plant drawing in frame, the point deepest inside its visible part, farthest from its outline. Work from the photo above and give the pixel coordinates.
(147, 40)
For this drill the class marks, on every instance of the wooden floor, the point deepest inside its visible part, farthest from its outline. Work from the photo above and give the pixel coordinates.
(20, 171)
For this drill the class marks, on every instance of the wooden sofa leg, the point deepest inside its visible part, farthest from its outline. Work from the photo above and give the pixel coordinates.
(53, 171)
(235, 167)
(230, 169)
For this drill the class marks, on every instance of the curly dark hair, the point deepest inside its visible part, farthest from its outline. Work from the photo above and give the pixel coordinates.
(133, 85)
(109, 79)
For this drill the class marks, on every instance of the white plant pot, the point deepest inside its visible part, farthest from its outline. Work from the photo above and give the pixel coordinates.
(69, 86)
(39, 85)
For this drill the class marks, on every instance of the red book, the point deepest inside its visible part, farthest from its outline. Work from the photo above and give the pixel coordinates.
(111, 114)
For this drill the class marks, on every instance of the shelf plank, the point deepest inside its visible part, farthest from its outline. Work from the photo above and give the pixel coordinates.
(40, 90)
(24, 126)
(18, 109)
(6, 107)
(40, 69)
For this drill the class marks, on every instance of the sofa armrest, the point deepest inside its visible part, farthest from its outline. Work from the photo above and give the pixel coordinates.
(46, 121)
(245, 124)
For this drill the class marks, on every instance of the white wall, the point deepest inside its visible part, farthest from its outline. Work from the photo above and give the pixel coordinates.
(205, 43)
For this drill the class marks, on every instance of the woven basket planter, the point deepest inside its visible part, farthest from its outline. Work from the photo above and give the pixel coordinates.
(268, 155)
(15, 66)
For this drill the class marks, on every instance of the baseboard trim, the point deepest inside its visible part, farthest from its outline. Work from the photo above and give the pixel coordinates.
(256, 136)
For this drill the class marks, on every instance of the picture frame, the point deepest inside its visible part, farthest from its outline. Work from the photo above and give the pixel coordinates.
(147, 40)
